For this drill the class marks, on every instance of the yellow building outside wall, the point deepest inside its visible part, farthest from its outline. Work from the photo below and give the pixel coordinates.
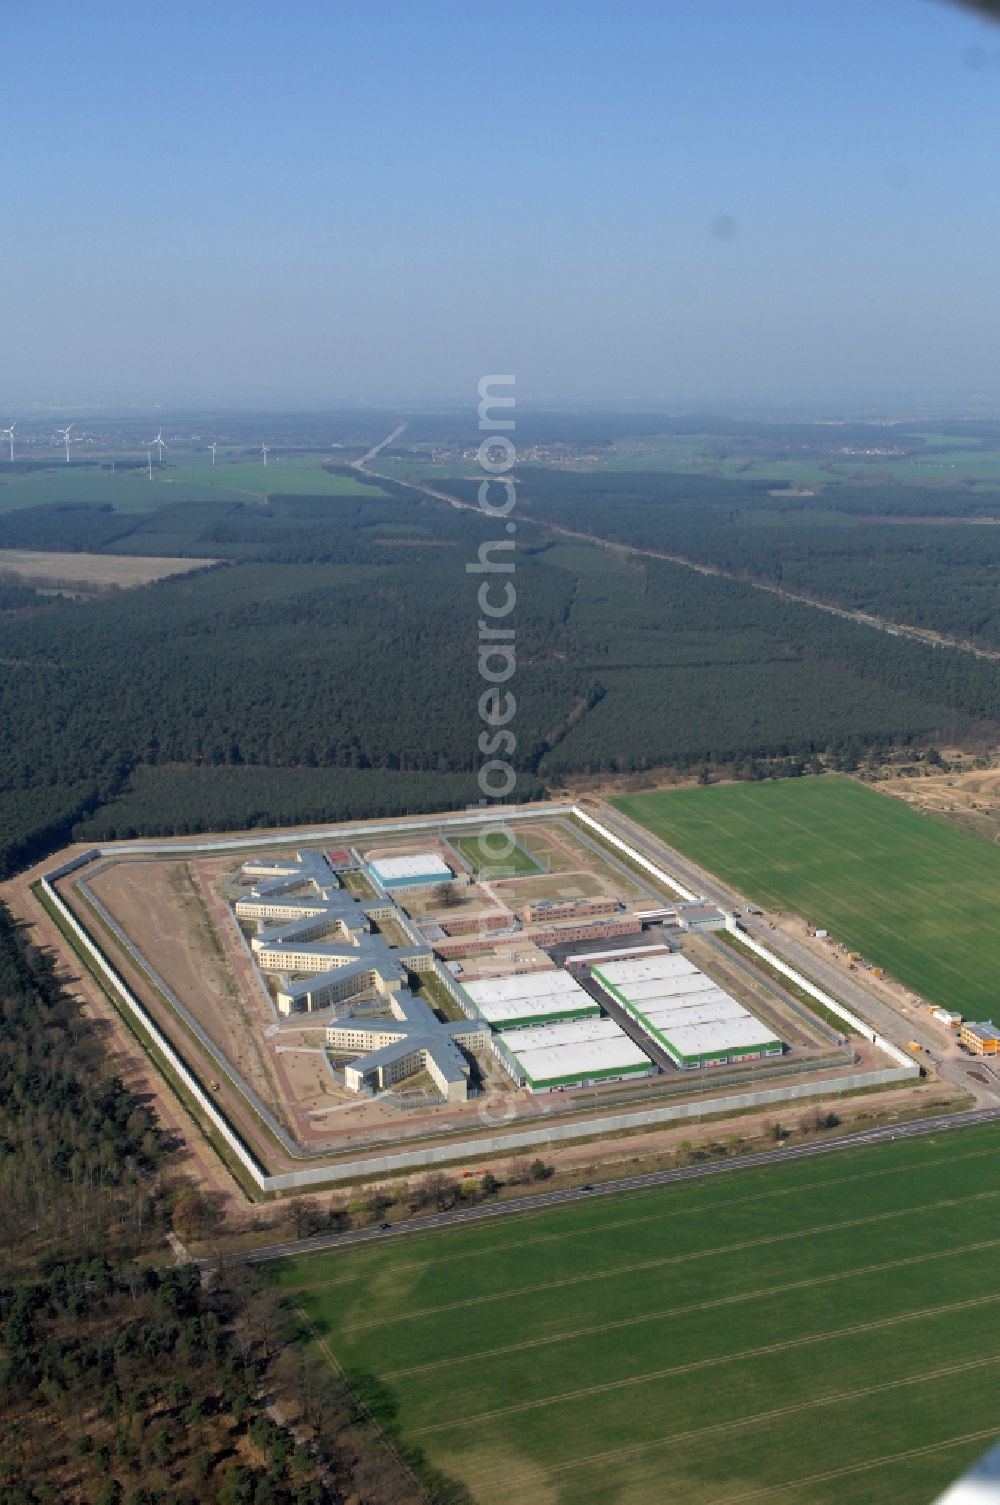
(983, 1039)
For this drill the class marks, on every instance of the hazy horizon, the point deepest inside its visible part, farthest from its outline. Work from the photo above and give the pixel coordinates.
(694, 205)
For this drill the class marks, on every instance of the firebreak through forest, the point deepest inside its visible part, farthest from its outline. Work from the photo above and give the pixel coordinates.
(327, 667)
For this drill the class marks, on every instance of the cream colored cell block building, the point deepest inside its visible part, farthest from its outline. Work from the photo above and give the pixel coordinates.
(411, 1039)
(319, 938)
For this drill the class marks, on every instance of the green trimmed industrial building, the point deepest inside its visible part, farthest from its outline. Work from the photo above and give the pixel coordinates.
(695, 1022)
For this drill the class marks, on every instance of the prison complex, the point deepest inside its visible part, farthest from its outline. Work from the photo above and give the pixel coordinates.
(543, 1025)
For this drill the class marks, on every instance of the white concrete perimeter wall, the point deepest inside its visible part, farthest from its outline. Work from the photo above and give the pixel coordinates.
(503, 1144)
(637, 857)
(861, 1025)
(150, 1027)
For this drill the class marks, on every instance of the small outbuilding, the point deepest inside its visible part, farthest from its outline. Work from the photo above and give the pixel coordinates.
(982, 1038)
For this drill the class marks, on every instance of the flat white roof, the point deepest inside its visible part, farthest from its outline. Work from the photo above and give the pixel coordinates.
(504, 1000)
(666, 1018)
(563, 1032)
(697, 1039)
(414, 865)
(571, 1050)
(510, 1010)
(673, 1003)
(668, 987)
(551, 983)
(643, 969)
(686, 1007)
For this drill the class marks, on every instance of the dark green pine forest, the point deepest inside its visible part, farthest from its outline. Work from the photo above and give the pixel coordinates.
(326, 667)
(124, 1378)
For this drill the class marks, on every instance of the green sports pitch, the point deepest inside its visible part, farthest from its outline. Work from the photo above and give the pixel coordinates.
(807, 1333)
(912, 893)
(512, 862)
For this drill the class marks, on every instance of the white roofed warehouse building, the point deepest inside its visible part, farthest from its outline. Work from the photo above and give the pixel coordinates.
(573, 1053)
(529, 998)
(685, 1012)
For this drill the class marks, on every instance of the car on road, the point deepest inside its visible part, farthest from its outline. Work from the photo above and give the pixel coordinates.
(383, 1226)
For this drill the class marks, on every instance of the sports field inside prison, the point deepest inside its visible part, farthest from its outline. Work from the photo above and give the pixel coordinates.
(915, 895)
(808, 1333)
(498, 860)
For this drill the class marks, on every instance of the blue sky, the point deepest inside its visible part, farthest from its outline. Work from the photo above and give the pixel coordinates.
(686, 199)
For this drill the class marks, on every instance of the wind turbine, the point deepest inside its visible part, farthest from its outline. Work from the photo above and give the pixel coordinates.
(9, 434)
(213, 447)
(149, 459)
(160, 443)
(63, 434)
(263, 450)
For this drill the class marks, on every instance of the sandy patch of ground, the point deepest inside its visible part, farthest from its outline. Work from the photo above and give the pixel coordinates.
(167, 910)
(967, 798)
(124, 570)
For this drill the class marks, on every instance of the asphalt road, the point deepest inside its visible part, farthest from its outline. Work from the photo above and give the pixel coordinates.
(294, 1248)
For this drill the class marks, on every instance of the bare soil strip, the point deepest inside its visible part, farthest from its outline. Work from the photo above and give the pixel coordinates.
(125, 570)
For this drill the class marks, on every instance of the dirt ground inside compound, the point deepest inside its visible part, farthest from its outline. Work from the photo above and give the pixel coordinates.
(163, 907)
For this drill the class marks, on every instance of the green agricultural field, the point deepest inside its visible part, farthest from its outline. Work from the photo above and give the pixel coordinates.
(301, 476)
(951, 468)
(416, 469)
(810, 1333)
(912, 893)
(184, 478)
(516, 863)
(961, 458)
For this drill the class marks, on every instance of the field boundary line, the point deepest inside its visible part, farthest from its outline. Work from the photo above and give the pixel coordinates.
(855, 1468)
(373, 1422)
(569, 1335)
(668, 1259)
(717, 1361)
(693, 1433)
